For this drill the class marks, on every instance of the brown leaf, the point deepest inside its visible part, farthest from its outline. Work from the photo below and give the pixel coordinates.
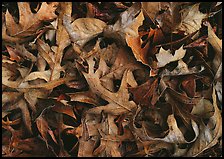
(83, 29)
(127, 25)
(13, 54)
(44, 129)
(152, 9)
(29, 22)
(85, 97)
(65, 109)
(209, 133)
(189, 86)
(96, 87)
(146, 94)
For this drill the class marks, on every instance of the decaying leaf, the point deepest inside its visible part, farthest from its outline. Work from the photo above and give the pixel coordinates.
(115, 79)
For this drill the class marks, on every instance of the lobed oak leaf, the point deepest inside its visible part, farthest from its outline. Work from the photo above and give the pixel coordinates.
(26, 27)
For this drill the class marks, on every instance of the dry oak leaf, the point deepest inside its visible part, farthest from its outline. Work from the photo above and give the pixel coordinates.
(44, 129)
(119, 101)
(142, 53)
(146, 94)
(12, 73)
(83, 29)
(151, 9)
(13, 54)
(209, 133)
(108, 146)
(174, 136)
(217, 45)
(191, 19)
(123, 60)
(170, 18)
(127, 25)
(62, 39)
(84, 97)
(28, 21)
(217, 61)
(164, 56)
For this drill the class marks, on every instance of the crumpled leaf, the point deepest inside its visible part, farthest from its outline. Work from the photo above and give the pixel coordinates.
(127, 25)
(209, 133)
(164, 57)
(182, 69)
(26, 27)
(191, 19)
(217, 45)
(174, 136)
(170, 16)
(83, 29)
(119, 79)
(44, 129)
(217, 63)
(144, 53)
(13, 54)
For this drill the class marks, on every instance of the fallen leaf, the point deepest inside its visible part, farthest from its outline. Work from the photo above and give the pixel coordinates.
(25, 26)
(209, 133)
(44, 129)
(164, 57)
(191, 19)
(83, 29)
(127, 25)
(152, 9)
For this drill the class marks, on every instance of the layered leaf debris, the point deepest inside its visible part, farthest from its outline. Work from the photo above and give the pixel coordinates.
(115, 79)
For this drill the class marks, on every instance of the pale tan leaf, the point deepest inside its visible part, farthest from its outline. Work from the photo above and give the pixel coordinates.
(41, 75)
(191, 19)
(204, 108)
(164, 56)
(83, 29)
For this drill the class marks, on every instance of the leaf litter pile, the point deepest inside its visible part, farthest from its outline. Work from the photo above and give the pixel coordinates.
(112, 79)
